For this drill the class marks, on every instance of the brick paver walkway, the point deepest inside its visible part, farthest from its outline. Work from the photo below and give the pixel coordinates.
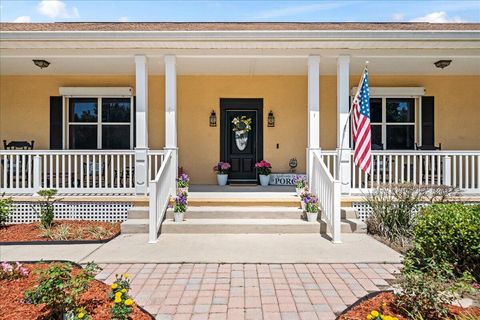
(250, 291)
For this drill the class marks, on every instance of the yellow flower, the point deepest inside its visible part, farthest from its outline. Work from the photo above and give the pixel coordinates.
(369, 317)
(118, 295)
(80, 315)
(374, 313)
(118, 300)
(125, 275)
(114, 286)
(128, 302)
(124, 290)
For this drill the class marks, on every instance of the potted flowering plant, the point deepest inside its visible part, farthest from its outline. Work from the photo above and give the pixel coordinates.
(264, 169)
(303, 195)
(311, 207)
(221, 169)
(300, 184)
(182, 183)
(180, 206)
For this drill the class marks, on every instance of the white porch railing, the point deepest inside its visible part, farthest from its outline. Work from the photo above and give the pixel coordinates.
(456, 168)
(329, 194)
(161, 189)
(72, 171)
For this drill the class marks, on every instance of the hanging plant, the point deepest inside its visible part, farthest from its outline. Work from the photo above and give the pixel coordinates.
(242, 125)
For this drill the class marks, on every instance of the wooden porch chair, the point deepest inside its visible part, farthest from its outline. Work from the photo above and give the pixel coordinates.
(436, 171)
(12, 167)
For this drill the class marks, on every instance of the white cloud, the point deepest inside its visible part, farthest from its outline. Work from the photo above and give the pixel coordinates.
(398, 16)
(22, 19)
(57, 9)
(123, 19)
(437, 17)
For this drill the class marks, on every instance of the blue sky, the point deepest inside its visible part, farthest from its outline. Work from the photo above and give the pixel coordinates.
(274, 10)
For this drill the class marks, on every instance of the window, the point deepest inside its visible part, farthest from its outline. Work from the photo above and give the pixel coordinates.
(109, 126)
(393, 123)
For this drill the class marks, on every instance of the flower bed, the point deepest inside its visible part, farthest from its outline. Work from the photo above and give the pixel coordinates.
(384, 304)
(95, 300)
(61, 231)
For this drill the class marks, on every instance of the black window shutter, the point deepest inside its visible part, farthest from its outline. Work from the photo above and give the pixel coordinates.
(428, 121)
(56, 123)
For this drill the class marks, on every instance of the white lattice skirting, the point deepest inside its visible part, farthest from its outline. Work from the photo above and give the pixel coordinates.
(24, 212)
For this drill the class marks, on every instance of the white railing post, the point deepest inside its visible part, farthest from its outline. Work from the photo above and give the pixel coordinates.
(344, 170)
(343, 136)
(173, 174)
(37, 173)
(336, 223)
(141, 170)
(152, 224)
(447, 171)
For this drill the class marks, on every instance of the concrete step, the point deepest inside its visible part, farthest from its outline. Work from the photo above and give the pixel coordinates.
(134, 226)
(138, 213)
(347, 226)
(239, 226)
(219, 212)
(348, 213)
(244, 202)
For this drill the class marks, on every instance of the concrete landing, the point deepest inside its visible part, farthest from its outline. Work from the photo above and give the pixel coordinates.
(244, 248)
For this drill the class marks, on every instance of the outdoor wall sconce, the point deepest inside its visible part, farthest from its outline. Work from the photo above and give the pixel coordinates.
(271, 119)
(442, 63)
(41, 63)
(213, 119)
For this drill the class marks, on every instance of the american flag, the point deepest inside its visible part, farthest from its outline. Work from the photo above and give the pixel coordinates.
(362, 156)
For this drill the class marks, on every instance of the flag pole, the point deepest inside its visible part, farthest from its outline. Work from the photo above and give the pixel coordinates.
(349, 118)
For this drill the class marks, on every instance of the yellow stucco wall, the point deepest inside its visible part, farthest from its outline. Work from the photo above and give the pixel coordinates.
(24, 111)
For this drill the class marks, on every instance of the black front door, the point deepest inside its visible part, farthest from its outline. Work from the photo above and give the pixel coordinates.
(241, 149)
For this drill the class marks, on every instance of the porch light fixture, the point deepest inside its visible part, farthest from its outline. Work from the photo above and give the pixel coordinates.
(271, 119)
(442, 63)
(41, 63)
(213, 119)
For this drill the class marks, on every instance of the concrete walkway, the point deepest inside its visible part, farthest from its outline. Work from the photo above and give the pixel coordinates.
(215, 248)
(250, 291)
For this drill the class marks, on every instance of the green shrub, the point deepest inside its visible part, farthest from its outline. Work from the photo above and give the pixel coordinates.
(448, 234)
(5, 206)
(426, 294)
(47, 210)
(394, 209)
(59, 289)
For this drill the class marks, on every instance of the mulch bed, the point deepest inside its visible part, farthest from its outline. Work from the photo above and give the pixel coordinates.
(386, 299)
(95, 300)
(78, 230)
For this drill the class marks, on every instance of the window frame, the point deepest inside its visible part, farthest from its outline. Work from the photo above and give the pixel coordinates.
(99, 123)
(384, 122)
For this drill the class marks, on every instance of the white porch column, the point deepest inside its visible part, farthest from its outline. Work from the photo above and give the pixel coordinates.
(313, 133)
(343, 132)
(141, 114)
(171, 107)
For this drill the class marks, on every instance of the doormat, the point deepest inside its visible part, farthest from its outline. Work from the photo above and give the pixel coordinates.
(243, 184)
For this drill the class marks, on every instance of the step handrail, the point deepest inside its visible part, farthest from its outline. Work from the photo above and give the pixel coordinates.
(161, 189)
(328, 191)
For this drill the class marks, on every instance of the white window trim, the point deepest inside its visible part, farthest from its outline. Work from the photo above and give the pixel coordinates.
(384, 122)
(99, 123)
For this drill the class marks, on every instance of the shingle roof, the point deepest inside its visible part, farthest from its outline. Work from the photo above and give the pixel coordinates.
(231, 26)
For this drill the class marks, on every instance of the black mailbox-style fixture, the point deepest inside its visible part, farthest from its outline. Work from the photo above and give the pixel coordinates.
(41, 63)
(271, 119)
(213, 119)
(442, 63)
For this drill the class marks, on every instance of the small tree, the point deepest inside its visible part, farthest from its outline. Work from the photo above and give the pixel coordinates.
(47, 210)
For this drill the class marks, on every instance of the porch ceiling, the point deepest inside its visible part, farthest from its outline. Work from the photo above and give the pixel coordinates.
(238, 62)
